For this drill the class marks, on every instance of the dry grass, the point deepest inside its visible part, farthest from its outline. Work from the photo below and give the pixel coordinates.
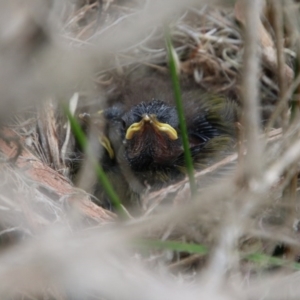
(55, 243)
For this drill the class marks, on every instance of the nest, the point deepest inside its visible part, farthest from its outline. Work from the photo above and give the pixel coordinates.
(252, 212)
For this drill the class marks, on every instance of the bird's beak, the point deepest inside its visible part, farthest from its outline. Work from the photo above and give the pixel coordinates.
(151, 119)
(104, 141)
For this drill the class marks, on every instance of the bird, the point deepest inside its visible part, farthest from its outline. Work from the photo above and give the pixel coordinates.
(142, 128)
(102, 127)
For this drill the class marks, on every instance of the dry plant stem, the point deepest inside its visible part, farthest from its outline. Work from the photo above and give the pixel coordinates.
(72, 106)
(290, 190)
(290, 198)
(251, 120)
(291, 156)
(282, 101)
(278, 22)
(186, 262)
(225, 258)
(292, 23)
(50, 133)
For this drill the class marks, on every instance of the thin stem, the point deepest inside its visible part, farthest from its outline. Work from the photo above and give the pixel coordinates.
(179, 106)
(282, 80)
(251, 119)
(82, 141)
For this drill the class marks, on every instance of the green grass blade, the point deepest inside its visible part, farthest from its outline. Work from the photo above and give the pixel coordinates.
(257, 258)
(174, 246)
(179, 106)
(83, 142)
(271, 261)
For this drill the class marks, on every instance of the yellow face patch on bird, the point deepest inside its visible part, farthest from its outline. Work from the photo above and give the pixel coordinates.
(151, 119)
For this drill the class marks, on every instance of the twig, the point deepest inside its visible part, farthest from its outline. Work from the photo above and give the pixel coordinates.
(225, 257)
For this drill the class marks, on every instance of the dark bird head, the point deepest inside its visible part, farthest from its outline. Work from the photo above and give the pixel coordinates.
(151, 135)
